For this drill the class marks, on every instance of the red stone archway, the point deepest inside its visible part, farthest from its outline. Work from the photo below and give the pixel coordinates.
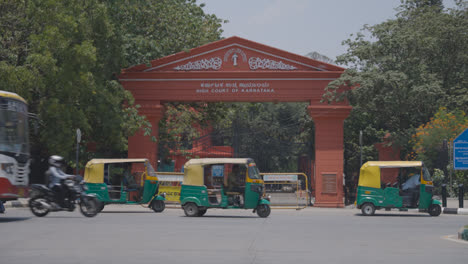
(239, 70)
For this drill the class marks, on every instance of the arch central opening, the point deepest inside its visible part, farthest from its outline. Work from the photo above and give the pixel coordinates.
(278, 136)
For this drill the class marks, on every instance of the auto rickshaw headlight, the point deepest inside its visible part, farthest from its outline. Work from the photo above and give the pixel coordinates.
(163, 195)
(268, 198)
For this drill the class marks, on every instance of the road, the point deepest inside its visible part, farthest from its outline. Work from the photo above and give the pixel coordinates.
(132, 234)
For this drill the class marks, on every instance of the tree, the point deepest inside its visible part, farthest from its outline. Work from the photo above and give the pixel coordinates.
(154, 29)
(274, 135)
(402, 70)
(64, 56)
(429, 137)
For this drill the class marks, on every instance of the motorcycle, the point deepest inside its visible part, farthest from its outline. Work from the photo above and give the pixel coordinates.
(43, 199)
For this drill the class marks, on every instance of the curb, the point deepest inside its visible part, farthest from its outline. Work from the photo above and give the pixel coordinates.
(16, 203)
(460, 211)
(445, 210)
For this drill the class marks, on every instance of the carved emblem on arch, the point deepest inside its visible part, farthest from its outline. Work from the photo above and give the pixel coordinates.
(233, 53)
(203, 64)
(259, 63)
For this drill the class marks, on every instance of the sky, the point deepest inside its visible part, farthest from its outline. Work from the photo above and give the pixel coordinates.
(300, 26)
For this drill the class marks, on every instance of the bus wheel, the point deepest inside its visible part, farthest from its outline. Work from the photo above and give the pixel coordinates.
(435, 210)
(263, 210)
(191, 209)
(368, 209)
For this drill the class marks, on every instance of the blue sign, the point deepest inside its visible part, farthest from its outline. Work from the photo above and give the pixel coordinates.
(217, 170)
(460, 151)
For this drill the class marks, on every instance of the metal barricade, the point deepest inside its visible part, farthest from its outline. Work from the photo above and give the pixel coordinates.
(288, 190)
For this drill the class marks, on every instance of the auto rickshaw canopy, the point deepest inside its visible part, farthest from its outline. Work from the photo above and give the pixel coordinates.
(94, 170)
(369, 175)
(193, 169)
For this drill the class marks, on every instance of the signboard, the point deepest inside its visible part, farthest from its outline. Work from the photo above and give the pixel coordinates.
(328, 183)
(172, 193)
(171, 177)
(460, 151)
(282, 177)
(217, 170)
(78, 135)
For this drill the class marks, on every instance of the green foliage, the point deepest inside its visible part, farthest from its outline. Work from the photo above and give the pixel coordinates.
(154, 29)
(274, 135)
(429, 137)
(63, 58)
(438, 178)
(401, 71)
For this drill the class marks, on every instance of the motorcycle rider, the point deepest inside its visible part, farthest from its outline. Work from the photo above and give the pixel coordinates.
(56, 178)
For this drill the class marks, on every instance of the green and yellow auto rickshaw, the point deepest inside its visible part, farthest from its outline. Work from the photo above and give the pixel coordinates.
(413, 190)
(124, 181)
(228, 183)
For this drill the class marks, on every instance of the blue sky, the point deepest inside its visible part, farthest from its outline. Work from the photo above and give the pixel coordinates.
(300, 26)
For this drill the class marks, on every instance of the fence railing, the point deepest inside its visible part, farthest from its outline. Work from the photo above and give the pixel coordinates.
(287, 190)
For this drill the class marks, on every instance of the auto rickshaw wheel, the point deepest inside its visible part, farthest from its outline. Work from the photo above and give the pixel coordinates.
(368, 209)
(191, 209)
(158, 206)
(201, 212)
(263, 210)
(101, 206)
(435, 210)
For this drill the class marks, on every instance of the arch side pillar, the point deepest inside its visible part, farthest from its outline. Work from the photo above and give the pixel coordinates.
(329, 153)
(141, 146)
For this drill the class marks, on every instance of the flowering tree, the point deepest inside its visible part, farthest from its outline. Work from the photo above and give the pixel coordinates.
(429, 137)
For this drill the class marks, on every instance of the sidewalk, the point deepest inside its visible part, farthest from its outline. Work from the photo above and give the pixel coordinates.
(21, 202)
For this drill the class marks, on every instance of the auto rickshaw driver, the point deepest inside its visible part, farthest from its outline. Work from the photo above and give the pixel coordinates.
(235, 189)
(233, 182)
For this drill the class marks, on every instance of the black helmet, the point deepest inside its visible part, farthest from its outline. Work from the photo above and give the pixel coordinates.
(55, 161)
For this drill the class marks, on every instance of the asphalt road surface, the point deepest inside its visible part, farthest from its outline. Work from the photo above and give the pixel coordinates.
(132, 234)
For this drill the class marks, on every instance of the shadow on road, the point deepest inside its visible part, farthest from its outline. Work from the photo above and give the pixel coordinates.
(396, 215)
(127, 212)
(224, 216)
(13, 219)
(62, 216)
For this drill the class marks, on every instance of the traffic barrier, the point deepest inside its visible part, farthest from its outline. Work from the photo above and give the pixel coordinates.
(287, 190)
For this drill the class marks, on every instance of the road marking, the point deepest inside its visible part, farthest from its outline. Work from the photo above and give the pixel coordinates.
(454, 238)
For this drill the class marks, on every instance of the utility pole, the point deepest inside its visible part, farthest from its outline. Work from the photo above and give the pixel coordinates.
(360, 145)
(78, 139)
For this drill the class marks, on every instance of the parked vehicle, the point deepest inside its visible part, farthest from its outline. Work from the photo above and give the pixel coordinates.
(228, 183)
(413, 189)
(43, 199)
(124, 181)
(14, 147)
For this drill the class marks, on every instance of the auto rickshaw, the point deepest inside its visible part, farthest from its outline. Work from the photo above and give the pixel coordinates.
(412, 190)
(228, 183)
(124, 181)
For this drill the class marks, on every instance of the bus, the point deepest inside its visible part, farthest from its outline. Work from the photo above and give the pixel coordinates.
(14, 147)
